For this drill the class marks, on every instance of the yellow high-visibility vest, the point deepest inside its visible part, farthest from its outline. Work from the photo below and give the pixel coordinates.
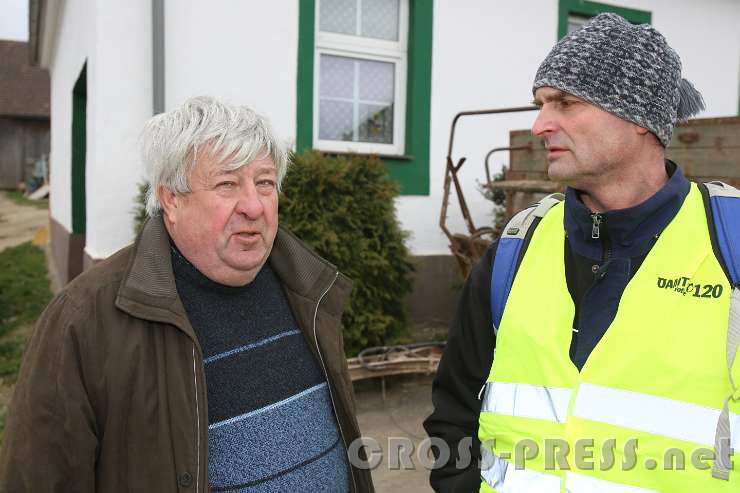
(650, 393)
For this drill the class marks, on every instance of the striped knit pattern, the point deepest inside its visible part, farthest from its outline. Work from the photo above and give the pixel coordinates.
(271, 423)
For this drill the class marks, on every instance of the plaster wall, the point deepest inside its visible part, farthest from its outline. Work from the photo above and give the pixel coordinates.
(75, 34)
(484, 53)
(245, 52)
(121, 83)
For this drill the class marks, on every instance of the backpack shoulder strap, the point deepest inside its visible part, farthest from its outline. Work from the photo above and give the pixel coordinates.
(722, 202)
(510, 250)
(724, 215)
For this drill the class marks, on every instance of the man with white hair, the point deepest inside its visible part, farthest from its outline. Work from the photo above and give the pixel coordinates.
(208, 355)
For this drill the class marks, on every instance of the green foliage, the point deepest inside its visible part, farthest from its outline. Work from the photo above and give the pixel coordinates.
(140, 215)
(24, 293)
(343, 207)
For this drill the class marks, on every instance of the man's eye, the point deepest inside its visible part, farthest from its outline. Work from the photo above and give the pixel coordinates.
(226, 185)
(266, 183)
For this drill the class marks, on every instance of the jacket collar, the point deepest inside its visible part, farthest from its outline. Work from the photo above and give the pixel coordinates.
(630, 232)
(148, 288)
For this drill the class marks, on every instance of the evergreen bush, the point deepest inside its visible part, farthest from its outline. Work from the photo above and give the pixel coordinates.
(343, 208)
(140, 214)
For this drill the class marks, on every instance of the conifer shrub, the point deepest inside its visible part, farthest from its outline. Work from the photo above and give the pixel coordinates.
(140, 214)
(343, 207)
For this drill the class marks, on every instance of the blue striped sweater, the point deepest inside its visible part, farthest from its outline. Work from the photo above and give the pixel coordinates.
(271, 422)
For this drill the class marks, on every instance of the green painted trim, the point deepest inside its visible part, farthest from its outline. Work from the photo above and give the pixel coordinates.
(412, 174)
(306, 38)
(590, 9)
(79, 152)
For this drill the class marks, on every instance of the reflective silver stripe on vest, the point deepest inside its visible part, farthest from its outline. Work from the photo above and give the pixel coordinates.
(503, 477)
(650, 414)
(579, 483)
(527, 401)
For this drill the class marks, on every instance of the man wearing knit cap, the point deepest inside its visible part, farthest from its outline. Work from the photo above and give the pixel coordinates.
(614, 310)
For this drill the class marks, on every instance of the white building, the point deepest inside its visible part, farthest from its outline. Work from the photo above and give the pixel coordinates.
(380, 76)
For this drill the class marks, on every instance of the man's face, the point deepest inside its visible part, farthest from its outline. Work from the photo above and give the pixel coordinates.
(227, 224)
(585, 144)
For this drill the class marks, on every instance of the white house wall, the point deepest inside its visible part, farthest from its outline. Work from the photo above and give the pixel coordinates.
(115, 39)
(121, 80)
(485, 55)
(74, 35)
(245, 52)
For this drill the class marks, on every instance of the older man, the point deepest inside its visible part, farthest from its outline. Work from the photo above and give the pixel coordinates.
(205, 357)
(613, 314)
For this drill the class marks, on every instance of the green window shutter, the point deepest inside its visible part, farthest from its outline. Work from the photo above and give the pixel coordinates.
(79, 151)
(412, 170)
(587, 9)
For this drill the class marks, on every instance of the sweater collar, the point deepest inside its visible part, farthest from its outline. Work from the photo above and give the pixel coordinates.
(629, 232)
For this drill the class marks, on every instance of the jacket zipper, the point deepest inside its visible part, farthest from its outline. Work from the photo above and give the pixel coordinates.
(596, 222)
(326, 375)
(197, 421)
(596, 219)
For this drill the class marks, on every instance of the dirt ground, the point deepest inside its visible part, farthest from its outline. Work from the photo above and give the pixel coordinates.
(19, 224)
(408, 401)
(396, 413)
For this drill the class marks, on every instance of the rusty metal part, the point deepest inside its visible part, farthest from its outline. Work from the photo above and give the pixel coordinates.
(527, 147)
(451, 169)
(465, 248)
(384, 361)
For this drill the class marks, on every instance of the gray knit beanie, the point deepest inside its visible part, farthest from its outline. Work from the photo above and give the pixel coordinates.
(628, 70)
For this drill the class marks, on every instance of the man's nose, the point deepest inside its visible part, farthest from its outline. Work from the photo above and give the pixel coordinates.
(249, 203)
(544, 123)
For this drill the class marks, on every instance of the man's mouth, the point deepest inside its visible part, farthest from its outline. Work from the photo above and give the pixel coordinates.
(247, 235)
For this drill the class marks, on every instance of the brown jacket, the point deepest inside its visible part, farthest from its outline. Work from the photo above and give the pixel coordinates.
(111, 394)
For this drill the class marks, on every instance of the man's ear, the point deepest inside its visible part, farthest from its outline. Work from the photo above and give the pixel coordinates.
(640, 130)
(169, 201)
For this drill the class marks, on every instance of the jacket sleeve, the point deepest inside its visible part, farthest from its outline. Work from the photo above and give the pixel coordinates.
(50, 441)
(462, 373)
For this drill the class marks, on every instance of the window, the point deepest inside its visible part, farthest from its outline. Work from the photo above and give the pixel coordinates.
(365, 116)
(575, 13)
(576, 21)
(360, 94)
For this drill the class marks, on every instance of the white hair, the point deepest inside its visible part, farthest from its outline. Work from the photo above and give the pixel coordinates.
(235, 135)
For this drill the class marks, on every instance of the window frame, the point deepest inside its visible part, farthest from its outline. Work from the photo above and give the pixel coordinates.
(412, 170)
(365, 48)
(586, 8)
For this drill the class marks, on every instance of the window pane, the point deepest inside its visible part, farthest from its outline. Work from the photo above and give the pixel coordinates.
(336, 76)
(356, 99)
(376, 123)
(380, 19)
(335, 120)
(376, 81)
(338, 16)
